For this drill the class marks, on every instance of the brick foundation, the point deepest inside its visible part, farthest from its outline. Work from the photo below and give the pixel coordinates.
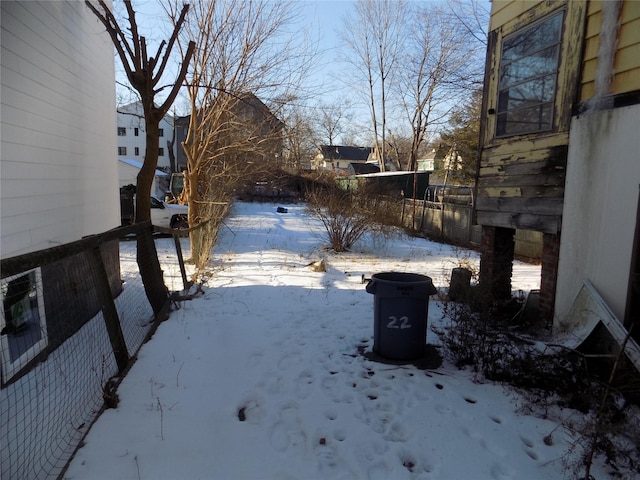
(550, 255)
(496, 263)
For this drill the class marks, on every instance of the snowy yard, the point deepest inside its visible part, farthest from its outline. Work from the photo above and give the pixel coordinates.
(263, 376)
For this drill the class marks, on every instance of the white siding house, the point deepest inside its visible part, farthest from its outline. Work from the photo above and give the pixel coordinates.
(58, 178)
(132, 135)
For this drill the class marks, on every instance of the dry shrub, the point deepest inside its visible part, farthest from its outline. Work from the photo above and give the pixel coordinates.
(342, 213)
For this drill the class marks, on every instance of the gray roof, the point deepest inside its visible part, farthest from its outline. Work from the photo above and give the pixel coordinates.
(341, 152)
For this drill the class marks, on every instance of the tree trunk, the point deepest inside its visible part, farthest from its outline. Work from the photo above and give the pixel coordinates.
(146, 253)
(147, 172)
(194, 212)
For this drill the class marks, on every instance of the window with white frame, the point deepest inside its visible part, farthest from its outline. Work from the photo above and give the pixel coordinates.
(122, 150)
(23, 326)
(122, 132)
(528, 77)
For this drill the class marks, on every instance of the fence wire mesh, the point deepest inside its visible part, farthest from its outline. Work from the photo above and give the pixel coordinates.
(58, 355)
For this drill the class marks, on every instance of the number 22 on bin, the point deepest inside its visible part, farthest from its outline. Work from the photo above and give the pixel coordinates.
(404, 322)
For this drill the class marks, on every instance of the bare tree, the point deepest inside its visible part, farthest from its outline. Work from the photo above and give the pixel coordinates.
(375, 36)
(243, 51)
(144, 73)
(331, 119)
(434, 56)
(299, 142)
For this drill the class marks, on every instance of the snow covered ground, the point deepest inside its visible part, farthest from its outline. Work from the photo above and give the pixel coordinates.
(264, 377)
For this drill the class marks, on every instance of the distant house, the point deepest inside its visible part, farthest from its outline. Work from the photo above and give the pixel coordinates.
(261, 131)
(132, 140)
(59, 180)
(559, 155)
(339, 157)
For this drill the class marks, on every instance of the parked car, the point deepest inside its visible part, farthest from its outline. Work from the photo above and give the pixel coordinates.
(169, 215)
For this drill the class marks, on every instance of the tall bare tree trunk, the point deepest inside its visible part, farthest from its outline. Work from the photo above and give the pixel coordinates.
(144, 72)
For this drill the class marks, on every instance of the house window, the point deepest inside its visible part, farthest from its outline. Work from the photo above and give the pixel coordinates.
(122, 131)
(136, 131)
(161, 132)
(122, 150)
(22, 321)
(137, 151)
(528, 78)
(161, 152)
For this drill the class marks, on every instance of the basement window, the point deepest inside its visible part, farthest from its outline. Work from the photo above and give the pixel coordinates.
(528, 78)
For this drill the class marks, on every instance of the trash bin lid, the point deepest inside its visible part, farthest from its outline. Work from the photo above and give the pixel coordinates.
(401, 279)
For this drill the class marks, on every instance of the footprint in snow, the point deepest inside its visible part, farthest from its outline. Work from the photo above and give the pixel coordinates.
(284, 436)
(331, 414)
(443, 409)
(304, 384)
(499, 471)
(527, 441)
(495, 419)
(378, 471)
(473, 434)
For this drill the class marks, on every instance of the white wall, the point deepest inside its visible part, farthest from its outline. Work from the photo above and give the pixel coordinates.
(58, 177)
(601, 198)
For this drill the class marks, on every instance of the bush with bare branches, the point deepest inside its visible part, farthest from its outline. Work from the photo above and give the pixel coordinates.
(342, 213)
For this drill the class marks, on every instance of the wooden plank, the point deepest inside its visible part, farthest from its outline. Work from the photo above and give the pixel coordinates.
(109, 311)
(499, 191)
(544, 158)
(516, 176)
(524, 221)
(595, 6)
(183, 272)
(630, 11)
(524, 191)
(570, 67)
(591, 47)
(535, 206)
(504, 11)
(629, 33)
(526, 147)
(593, 24)
(627, 81)
(627, 59)
(588, 91)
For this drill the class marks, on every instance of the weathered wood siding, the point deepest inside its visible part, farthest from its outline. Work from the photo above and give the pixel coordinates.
(521, 177)
(58, 171)
(626, 75)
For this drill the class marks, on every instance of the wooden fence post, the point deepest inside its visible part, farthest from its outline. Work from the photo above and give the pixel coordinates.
(109, 312)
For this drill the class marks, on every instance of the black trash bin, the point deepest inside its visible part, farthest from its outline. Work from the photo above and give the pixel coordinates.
(400, 308)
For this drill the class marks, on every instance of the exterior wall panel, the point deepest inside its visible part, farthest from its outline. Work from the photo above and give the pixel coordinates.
(601, 197)
(58, 178)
